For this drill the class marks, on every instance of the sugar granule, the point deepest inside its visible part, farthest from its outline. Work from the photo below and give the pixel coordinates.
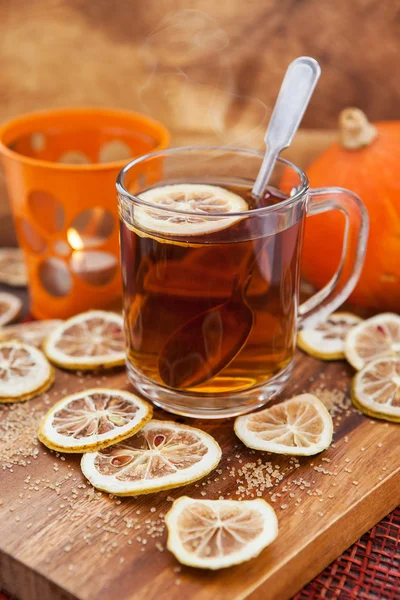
(18, 433)
(336, 401)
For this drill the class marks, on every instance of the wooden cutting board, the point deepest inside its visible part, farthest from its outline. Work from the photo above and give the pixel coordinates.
(60, 540)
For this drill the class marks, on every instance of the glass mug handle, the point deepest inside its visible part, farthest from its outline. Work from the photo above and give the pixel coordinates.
(338, 289)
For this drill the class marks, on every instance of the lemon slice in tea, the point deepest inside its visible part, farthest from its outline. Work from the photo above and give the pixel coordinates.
(325, 340)
(12, 267)
(93, 419)
(90, 340)
(33, 333)
(376, 389)
(213, 534)
(160, 456)
(24, 372)
(373, 338)
(10, 307)
(301, 426)
(204, 200)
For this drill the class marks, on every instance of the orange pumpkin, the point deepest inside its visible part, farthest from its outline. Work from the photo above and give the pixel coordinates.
(366, 160)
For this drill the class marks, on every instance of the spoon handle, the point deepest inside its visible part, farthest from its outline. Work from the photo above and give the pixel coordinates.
(296, 90)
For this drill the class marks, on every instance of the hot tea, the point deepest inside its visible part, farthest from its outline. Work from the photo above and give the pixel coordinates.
(211, 277)
(209, 309)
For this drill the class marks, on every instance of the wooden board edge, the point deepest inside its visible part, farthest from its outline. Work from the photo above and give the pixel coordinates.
(19, 580)
(291, 577)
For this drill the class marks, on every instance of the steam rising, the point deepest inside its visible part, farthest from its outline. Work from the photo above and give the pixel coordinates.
(199, 105)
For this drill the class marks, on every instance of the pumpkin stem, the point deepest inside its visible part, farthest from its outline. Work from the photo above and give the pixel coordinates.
(355, 131)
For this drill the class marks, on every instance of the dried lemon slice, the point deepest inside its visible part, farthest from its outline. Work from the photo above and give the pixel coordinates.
(12, 267)
(90, 340)
(376, 389)
(213, 534)
(162, 455)
(33, 333)
(325, 340)
(300, 426)
(204, 200)
(10, 307)
(373, 338)
(24, 372)
(93, 419)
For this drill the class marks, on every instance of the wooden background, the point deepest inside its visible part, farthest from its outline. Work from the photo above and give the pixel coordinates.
(210, 72)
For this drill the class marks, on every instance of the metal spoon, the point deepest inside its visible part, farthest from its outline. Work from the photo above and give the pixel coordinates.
(206, 344)
(296, 90)
(202, 347)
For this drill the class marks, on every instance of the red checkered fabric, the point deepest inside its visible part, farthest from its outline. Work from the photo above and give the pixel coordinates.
(369, 570)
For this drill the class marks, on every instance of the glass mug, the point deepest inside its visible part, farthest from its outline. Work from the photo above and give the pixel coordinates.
(211, 316)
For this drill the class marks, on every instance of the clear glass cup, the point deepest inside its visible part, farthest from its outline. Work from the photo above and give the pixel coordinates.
(211, 319)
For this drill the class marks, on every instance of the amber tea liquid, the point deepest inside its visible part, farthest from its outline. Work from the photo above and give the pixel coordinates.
(169, 282)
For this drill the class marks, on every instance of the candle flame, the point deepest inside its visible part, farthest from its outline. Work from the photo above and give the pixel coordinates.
(74, 239)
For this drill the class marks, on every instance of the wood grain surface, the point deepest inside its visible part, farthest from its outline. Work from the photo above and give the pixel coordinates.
(60, 540)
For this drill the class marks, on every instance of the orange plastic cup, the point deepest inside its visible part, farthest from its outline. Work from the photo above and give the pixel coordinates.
(61, 168)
